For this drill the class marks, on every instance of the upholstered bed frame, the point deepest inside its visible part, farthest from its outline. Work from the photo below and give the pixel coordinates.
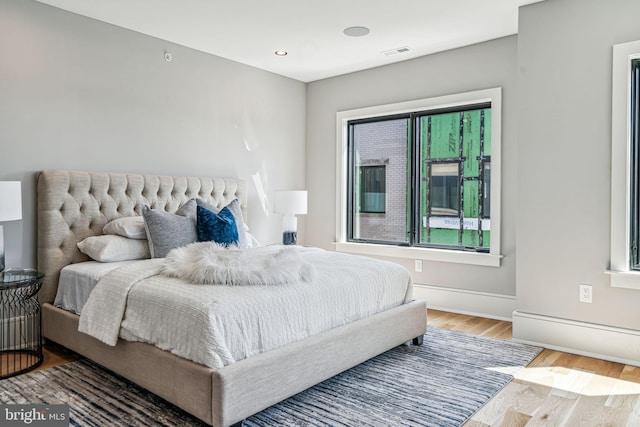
(73, 205)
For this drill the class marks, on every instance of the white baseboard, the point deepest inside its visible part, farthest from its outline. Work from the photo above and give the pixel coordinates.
(586, 339)
(482, 304)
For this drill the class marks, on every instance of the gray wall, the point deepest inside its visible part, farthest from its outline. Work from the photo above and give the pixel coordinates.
(80, 94)
(482, 66)
(564, 155)
(76, 93)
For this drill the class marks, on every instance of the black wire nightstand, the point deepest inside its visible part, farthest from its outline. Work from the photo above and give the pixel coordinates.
(20, 322)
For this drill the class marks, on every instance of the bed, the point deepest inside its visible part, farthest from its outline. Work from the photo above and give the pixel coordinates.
(74, 205)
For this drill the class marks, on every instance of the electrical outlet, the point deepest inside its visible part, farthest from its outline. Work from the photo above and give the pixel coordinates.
(586, 293)
(418, 265)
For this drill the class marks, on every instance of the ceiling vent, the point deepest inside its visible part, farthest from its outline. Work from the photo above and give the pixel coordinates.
(396, 51)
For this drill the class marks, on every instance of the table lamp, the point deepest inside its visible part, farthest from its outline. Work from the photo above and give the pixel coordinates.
(290, 204)
(10, 209)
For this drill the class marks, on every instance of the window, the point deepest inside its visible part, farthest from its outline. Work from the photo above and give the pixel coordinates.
(416, 179)
(378, 180)
(444, 185)
(454, 155)
(624, 267)
(634, 123)
(371, 188)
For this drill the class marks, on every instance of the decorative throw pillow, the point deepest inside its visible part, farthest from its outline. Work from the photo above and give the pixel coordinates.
(234, 206)
(166, 231)
(110, 248)
(128, 226)
(217, 227)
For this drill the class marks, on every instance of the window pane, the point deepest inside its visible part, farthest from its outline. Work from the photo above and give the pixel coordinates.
(372, 187)
(378, 208)
(454, 153)
(445, 189)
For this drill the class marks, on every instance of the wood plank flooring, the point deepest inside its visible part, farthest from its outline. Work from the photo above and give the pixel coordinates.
(55, 355)
(556, 389)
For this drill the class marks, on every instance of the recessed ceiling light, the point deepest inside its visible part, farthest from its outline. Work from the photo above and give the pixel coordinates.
(281, 52)
(356, 31)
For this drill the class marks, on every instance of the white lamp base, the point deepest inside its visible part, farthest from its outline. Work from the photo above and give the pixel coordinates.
(289, 229)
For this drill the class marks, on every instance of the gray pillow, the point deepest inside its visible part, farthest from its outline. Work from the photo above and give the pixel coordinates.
(236, 211)
(166, 231)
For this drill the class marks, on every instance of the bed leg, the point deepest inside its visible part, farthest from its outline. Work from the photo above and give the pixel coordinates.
(418, 340)
(238, 424)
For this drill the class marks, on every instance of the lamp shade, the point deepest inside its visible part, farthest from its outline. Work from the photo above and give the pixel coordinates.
(10, 201)
(290, 202)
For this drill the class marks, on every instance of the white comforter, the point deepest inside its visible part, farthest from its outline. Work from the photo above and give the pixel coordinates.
(216, 325)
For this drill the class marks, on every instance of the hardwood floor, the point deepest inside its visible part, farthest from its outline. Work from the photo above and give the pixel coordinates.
(55, 355)
(556, 389)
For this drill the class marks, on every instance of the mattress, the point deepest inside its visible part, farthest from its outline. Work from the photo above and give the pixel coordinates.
(78, 280)
(216, 325)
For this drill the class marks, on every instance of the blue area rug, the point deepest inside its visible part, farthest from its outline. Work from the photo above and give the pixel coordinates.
(441, 383)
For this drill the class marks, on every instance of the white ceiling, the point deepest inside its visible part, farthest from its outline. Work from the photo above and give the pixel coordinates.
(311, 31)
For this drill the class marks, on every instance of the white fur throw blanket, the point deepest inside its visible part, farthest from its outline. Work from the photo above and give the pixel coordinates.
(213, 264)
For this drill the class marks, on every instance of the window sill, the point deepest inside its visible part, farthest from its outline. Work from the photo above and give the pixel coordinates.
(426, 254)
(624, 279)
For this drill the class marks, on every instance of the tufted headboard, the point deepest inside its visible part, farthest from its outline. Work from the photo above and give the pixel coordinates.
(73, 205)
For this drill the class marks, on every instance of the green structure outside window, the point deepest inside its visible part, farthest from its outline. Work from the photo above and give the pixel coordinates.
(454, 177)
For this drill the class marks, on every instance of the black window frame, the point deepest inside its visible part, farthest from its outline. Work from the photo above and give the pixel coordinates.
(457, 158)
(634, 121)
(364, 185)
(413, 185)
(351, 178)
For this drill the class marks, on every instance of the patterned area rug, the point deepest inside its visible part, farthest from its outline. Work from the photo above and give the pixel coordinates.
(442, 383)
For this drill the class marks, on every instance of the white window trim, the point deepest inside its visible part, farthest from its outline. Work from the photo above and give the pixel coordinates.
(619, 271)
(492, 259)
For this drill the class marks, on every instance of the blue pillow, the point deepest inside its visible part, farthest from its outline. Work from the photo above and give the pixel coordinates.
(220, 228)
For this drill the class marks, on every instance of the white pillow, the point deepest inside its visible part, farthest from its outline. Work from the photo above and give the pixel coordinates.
(110, 248)
(252, 242)
(128, 226)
